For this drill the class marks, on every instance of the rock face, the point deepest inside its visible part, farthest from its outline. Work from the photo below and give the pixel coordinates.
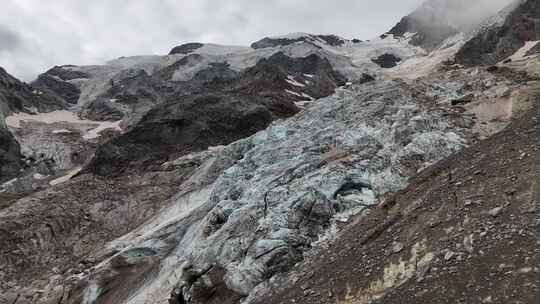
(225, 174)
(16, 96)
(386, 61)
(269, 42)
(216, 107)
(499, 41)
(186, 48)
(55, 82)
(425, 33)
(437, 20)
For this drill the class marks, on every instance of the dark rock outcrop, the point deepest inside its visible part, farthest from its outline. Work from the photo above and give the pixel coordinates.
(499, 42)
(387, 61)
(186, 48)
(268, 42)
(17, 96)
(273, 42)
(62, 89)
(10, 155)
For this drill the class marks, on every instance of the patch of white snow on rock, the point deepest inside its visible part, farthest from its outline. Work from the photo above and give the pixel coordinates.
(63, 116)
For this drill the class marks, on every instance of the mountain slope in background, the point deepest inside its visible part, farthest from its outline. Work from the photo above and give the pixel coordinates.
(496, 43)
(437, 20)
(230, 174)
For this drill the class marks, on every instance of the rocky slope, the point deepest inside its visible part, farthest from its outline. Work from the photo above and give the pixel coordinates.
(220, 174)
(497, 42)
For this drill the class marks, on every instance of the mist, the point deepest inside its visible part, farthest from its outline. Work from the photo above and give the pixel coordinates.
(463, 15)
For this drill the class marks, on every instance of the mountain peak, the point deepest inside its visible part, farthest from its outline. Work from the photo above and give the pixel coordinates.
(288, 39)
(437, 20)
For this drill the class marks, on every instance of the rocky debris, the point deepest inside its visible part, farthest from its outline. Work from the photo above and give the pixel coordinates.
(186, 48)
(426, 33)
(66, 73)
(194, 125)
(332, 40)
(58, 87)
(462, 100)
(387, 61)
(499, 41)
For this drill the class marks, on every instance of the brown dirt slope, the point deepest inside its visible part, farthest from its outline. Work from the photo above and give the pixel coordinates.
(466, 230)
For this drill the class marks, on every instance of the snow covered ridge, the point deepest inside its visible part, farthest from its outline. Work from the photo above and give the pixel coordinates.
(254, 220)
(347, 57)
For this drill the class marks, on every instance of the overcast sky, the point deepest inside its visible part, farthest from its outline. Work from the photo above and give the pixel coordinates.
(36, 35)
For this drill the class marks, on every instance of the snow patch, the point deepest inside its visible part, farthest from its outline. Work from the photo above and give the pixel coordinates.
(293, 93)
(39, 176)
(66, 177)
(61, 131)
(290, 79)
(521, 53)
(104, 125)
(14, 121)
(9, 183)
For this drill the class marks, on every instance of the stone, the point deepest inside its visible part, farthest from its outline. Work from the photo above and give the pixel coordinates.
(495, 212)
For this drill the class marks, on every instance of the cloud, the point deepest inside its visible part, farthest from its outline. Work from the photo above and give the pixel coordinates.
(464, 15)
(80, 32)
(9, 40)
